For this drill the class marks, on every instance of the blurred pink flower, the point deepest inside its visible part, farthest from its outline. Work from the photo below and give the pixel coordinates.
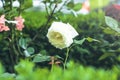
(20, 21)
(2, 24)
(2, 20)
(4, 28)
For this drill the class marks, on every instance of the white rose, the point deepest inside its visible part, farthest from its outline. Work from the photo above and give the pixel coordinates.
(61, 35)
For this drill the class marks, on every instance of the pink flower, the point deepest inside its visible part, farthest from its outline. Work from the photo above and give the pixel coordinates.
(4, 28)
(2, 20)
(20, 21)
(2, 24)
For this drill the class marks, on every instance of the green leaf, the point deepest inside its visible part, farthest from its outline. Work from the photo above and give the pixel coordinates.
(89, 39)
(105, 55)
(57, 1)
(109, 31)
(46, 1)
(118, 58)
(82, 50)
(26, 4)
(28, 40)
(25, 67)
(58, 57)
(43, 52)
(7, 76)
(1, 69)
(77, 6)
(41, 58)
(112, 23)
(29, 51)
(70, 4)
(80, 42)
(23, 43)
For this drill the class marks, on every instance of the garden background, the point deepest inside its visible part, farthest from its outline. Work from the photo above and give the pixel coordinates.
(27, 54)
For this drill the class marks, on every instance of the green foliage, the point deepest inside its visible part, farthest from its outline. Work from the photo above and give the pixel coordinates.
(112, 23)
(105, 55)
(32, 21)
(30, 50)
(1, 69)
(109, 31)
(80, 42)
(24, 43)
(93, 27)
(25, 71)
(57, 1)
(96, 47)
(26, 4)
(94, 40)
(24, 67)
(77, 6)
(41, 58)
(70, 4)
(10, 44)
(73, 6)
(98, 3)
(7, 76)
(89, 39)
